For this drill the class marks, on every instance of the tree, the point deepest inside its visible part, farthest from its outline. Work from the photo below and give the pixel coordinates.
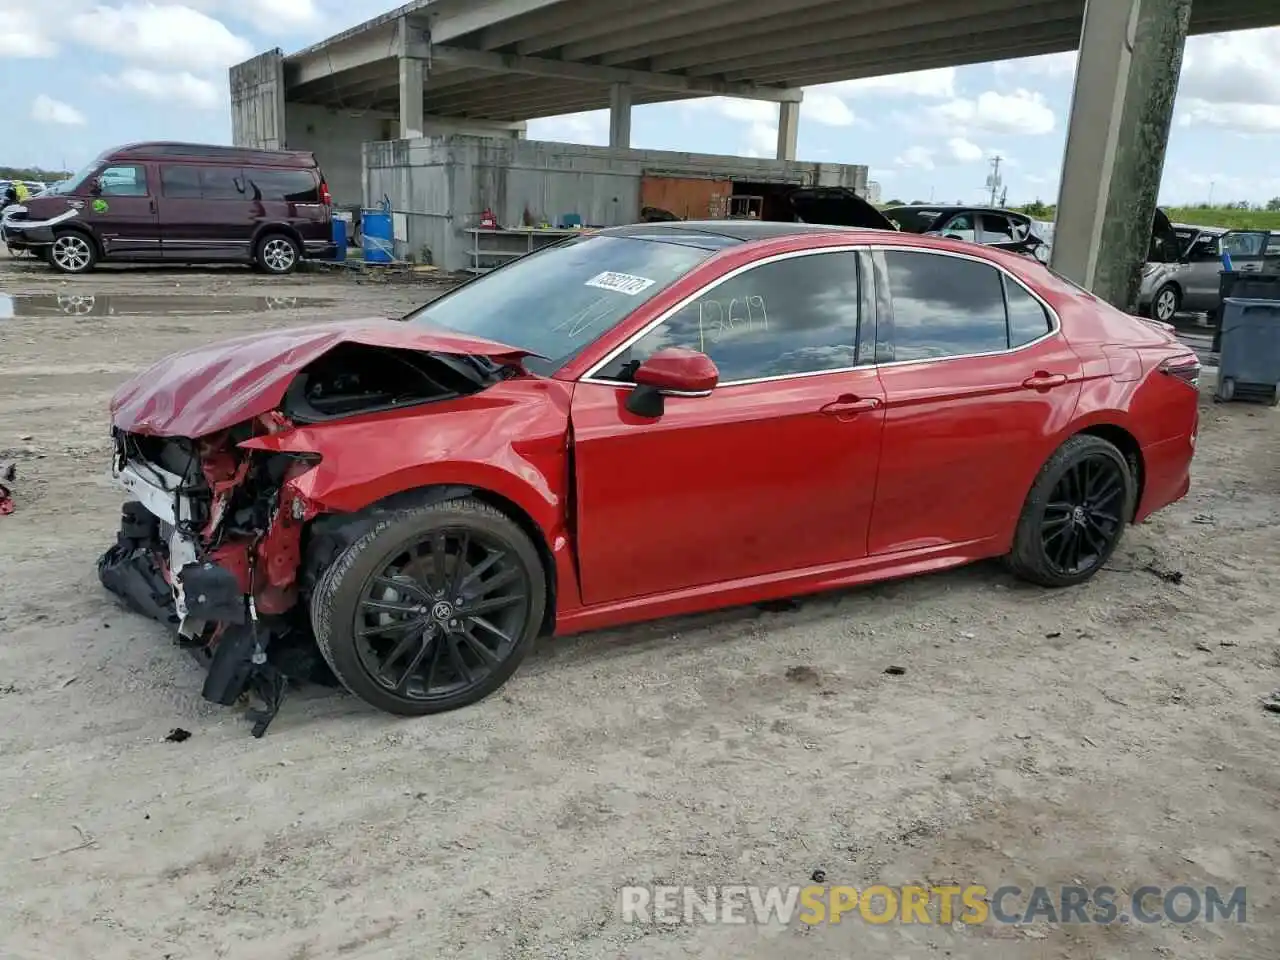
(1274, 204)
(31, 173)
(894, 203)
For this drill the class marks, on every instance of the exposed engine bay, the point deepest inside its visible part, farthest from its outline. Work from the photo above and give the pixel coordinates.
(217, 542)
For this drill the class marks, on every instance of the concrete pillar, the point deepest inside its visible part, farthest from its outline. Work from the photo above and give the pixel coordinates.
(1121, 113)
(412, 79)
(620, 116)
(788, 129)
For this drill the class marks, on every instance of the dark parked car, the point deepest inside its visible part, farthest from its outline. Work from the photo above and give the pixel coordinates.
(180, 202)
(1004, 229)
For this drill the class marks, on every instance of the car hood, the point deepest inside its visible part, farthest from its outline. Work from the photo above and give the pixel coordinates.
(210, 388)
(837, 207)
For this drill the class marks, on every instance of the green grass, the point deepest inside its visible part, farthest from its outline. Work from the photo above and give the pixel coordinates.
(1222, 217)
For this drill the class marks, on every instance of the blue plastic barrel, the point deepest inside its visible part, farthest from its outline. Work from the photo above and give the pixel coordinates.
(339, 238)
(376, 236)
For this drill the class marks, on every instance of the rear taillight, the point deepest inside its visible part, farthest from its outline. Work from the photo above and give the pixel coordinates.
(325, 197)
(1186, 368)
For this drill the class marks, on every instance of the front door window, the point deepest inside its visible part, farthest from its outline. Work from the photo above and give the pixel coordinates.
(123, 180)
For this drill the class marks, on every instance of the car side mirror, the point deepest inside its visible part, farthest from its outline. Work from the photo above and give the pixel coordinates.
(95, 186)
(671, 372)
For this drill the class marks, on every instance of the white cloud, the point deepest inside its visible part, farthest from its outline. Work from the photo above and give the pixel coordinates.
(174, 35)
(21, 36)
(591, 128)
(762, 140)
(1021, 112)
(918, 158)
(1230, 81)
(45, 109)
(181, 88)
(935, 84)
(825, 107)
(964, 151)
(1049, 65)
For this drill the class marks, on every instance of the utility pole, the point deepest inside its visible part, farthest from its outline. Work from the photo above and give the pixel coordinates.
(993, 180)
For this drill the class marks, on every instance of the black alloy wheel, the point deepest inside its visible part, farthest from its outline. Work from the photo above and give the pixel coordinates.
(1075, 514)
(442, 615)
(433, 609)
(1083, 517)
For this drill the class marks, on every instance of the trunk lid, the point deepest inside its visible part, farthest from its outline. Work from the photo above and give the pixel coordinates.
(206, 389)
(837, 207)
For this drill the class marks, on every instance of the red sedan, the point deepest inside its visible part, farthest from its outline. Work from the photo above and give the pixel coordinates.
(639, 422)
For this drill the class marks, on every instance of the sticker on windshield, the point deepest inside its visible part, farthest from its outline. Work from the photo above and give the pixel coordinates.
(620, 283)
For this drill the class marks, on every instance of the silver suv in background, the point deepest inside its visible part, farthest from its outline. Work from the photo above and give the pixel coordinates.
(1192, 284)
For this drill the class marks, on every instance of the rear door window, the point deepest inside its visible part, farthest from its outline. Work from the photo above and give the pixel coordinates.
(179, 182)
(944, 306)
(278, 183)
(222, 183)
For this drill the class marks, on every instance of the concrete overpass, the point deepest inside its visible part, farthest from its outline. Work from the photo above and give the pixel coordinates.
(494, 63)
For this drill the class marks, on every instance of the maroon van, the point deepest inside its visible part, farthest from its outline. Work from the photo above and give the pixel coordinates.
(180, 203)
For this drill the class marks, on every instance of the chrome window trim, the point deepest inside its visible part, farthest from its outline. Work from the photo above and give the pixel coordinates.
(1055, 322)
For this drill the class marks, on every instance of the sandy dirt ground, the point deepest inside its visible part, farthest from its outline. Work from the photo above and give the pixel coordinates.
(1106, 735)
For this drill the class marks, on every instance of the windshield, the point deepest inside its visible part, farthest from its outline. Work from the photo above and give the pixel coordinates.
(556, 301)
(80, 176)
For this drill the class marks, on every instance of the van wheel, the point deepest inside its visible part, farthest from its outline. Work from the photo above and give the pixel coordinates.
(72, 252)
(278, 254)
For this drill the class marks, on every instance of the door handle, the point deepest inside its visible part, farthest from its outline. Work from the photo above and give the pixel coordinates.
(847, 403)
(1042, 380)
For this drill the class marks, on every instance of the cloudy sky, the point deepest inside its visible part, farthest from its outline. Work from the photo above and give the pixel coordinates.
(81, 75)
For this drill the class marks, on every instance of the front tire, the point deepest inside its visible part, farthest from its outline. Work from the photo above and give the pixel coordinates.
(1075, 514)
(72, 252)
(278, 254)
(433, 609)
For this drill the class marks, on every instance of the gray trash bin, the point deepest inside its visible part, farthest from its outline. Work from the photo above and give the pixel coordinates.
(1249, 364)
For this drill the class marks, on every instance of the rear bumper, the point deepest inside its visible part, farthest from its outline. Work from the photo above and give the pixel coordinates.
(1167, 473)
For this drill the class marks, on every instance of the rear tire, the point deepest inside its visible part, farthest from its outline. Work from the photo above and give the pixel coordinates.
(431, 610)
(277, 254)
(1075, 514)
(72, 252)
(1165, 303)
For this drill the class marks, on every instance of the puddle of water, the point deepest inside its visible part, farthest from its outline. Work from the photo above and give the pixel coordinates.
(14, 306)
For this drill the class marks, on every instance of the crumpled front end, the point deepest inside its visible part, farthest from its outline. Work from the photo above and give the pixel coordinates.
(22, 229)
(210, 543)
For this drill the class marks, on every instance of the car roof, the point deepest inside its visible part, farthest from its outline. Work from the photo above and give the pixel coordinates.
(955, 208)
(717, 234)
(177, 150)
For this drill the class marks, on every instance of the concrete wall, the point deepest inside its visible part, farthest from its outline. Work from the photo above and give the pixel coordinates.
(337, 138)
(257, 102)
(442, 184)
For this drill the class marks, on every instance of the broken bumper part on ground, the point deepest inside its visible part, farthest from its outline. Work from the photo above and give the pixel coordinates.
(244, 656)
(8, 474)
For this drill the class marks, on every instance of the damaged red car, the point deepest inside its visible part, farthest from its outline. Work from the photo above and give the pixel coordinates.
(637, 422)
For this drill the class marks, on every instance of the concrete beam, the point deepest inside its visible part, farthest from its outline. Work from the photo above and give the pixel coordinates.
(556, 17)
(747, 18)
(623, 20)
(588, 73)
(620, 115)
(886, 60)
(899, 28)
(483, 15)
(788, 130)
(358, 51)
(412, 79)
(1121, 112)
